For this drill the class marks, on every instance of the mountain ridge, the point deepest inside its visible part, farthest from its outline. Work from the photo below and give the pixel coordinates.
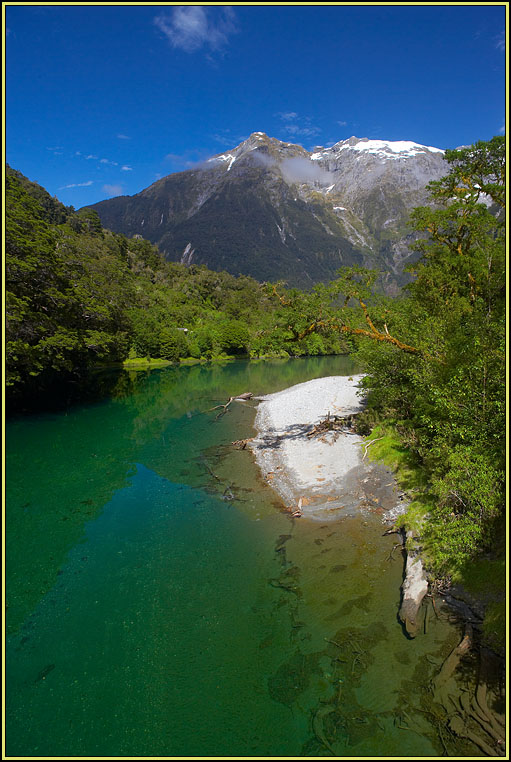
(274, 210)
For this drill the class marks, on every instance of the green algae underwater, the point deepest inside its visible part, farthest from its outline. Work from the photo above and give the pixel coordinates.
(161, 603)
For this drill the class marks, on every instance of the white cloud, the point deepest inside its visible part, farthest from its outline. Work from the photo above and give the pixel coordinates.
(91, 156)
(503, 129)
(124, 137)
(296, 129)
(224, 140)
(227, 140)
(301, 170)
(113, 190)
(190, 27)
(125, 168)
(298, 125)
(342, 124)
(77, 185)
(287, 115)
(107, 161)
(297, 169)
(500, 41)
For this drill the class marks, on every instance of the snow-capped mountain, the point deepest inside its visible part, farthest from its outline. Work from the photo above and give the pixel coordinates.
(273, 210)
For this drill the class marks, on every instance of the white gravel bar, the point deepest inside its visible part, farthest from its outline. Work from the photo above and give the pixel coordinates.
(321, 477)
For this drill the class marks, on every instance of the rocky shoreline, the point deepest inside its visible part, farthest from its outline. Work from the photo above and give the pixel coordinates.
(323, 474)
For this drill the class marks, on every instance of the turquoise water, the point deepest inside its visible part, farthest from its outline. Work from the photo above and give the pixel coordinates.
(160, 604)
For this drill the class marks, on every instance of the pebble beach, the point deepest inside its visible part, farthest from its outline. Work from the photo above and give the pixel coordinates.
(320, 476)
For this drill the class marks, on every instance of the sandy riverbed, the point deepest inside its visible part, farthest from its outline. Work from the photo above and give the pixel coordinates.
(326, 477)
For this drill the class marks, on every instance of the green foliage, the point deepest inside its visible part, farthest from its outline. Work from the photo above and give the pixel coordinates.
(469, 495)
(87, 221)
(448, 398)
(233, 337)
(172, 344)
(78, 296)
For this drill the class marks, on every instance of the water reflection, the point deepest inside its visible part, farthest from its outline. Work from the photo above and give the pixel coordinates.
(62, 468)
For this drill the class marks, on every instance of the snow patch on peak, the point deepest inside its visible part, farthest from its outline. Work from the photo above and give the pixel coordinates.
(225, 157)
(388, 147)
(385, 149)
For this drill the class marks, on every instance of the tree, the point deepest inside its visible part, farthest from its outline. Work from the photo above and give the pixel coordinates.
(435, 357)
(451, 394)
(233, 337)
(173, 344)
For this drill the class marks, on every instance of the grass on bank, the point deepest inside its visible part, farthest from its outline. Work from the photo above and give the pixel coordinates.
(133, 363)
(142, 363)
(483, 578)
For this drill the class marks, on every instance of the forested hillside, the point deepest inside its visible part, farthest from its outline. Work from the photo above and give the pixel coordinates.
(79, 296)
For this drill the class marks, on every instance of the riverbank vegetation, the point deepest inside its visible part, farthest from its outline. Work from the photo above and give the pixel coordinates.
(79, 297)
(447, 401)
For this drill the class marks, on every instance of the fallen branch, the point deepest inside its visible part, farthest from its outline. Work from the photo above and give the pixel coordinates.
(339, 645)
(434, 605)
(397, 545)
(241, 444)
(332, 423)
(368, 445)
(471, 709)
(239, 397)
(392, 530)
(480, 703)
(338, 325)
(210, 470)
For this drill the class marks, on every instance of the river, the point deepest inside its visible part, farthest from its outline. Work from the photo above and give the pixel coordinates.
(161, 604)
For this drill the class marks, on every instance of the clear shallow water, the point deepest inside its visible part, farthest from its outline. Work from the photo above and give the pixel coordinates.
(159, 604)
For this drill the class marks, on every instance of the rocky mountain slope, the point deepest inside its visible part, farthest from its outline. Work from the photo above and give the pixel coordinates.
(276, 211)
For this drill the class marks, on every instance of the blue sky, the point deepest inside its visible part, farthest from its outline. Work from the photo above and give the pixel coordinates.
(103, 100)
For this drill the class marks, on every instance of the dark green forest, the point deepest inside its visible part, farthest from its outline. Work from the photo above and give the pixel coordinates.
(79, 296)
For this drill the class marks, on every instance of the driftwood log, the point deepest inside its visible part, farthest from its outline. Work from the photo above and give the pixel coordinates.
(367, 445)
(239, 398)
(414, 588)
(241, 444)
